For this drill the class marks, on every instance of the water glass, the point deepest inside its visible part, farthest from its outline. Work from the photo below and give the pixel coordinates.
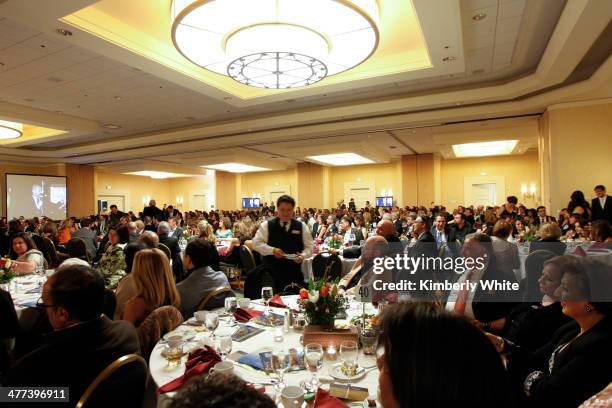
(266, 295)
(211, 320)
(314, 362)
(348, 356)
(369, 341)
(231, 304)
(280, 358)
(224, 345)
(174, 351)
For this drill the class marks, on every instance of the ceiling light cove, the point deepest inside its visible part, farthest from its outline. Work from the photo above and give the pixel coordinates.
(235, 167)
(496, 148)
(340, 159)
(10, 130)
(276, 44)
(157, 174)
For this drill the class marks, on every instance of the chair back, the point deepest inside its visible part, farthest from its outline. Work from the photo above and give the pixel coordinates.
(247, 259)
(161, 321)
(534, 264)
(326, 263)
(164, 248)
(216, 298)
(77, 248)
(291, 289)
(121, 383)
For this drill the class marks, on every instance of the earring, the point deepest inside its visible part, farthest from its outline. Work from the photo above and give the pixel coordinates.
(588, 308)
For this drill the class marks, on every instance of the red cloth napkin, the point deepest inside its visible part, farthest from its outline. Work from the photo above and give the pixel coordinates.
(324, 400)
(222, 250)
(579, 252)
(199, 361)
(244, 315)
(277, 301)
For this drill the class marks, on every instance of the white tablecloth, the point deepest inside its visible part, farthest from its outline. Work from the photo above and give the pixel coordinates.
(347, 265)
(162, 374)
(26, 290)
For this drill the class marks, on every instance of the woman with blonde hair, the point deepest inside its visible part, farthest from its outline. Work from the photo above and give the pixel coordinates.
(155, 286)
(207, 233)
(549, 235)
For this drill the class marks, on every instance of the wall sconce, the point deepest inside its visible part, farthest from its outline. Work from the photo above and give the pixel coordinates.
(179, 201)
(145, 200)
(528, 193)
(383, 193)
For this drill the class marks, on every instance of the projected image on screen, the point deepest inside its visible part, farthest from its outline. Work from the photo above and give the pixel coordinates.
(35, 196)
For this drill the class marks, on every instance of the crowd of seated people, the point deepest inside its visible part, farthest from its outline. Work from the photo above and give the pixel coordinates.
(551, 332)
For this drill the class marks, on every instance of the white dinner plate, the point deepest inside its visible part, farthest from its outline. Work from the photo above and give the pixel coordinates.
(186, 333)
(336, 372)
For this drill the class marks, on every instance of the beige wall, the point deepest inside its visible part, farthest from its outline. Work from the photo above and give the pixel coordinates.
(81, 186)
(517, 170)
(133, 188)
(310, 185)
(262, 183)
(578, 144)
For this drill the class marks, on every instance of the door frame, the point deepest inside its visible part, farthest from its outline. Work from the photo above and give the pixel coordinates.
(500, 187)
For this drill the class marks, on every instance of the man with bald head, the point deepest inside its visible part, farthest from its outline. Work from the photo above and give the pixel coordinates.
(374, 247)
(386, 229)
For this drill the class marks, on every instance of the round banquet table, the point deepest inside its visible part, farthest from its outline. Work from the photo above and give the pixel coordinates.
(347, 265)
(26, 290)
(162, 374)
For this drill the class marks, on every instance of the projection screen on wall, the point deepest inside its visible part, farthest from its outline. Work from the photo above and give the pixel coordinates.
(35, 196)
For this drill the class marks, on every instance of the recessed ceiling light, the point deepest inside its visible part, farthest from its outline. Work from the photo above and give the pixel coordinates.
(157, 174)
(117, 98)
(496, 148)
(2, 64)
(42, 45)
(341, 159)
(449, 58)
(64, 32)
(235, 167)
(10, 130)
(392, 147)
(111, 126)
(479, 16)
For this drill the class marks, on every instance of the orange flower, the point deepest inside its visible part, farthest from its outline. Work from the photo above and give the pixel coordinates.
(324, 291)
(303, 293)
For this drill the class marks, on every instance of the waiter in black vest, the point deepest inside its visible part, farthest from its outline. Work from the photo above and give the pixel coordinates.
(284, 242)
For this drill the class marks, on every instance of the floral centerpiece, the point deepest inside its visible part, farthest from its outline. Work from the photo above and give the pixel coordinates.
(334, 242)
(321, 302)
(6, 272)
(530, 234)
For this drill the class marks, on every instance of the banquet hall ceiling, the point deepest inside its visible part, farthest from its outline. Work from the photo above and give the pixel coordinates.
(106, 101)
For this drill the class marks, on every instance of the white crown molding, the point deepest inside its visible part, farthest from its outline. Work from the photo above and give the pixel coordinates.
(576, 104)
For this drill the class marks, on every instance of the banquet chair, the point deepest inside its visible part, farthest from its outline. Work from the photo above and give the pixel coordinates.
(77, 248)
(291, 289)
(121, 384)
(216, 298)
(324, 264)
(161, 321)
(529, 286)
(164, 248)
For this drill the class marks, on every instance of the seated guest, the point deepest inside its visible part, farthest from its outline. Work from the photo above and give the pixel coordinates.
(8, 329)
(361, 225)
(374, 247)
(202, 279)
(419, 369)
(331, 227)
(207, 233)
(346, 231)
(549, 235)
(485, 306)
(532, 324)
(386, 230)
(83, 342)
(225, 228)
(576, 363)
(165, 237)
(579, 205)
(220, 391)
(64, 232)
(601, 233)
(542, 218)
(89, 236)
(148, 224)
(126, 289)
(150, 239)
(176, 231)
(76, 248)
(506, 253)
(112, 264)
(444, 236)
(461, 227)
(26, 258)
(155, 286)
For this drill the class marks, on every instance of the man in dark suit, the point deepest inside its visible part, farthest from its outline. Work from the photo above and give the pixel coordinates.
(385, 229)
(542, 218)
(444, 236)
(601, 205)
(152, 211)
(89, 236)
(83, 342)
(461, 227)
(115, 215)
(345, 228)
(352, 206)
(176, 231)
(165, 237)
(422, 245)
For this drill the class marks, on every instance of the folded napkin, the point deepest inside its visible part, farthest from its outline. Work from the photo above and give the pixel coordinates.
(252, 360)
(324, 400)
(579, 252)
(222, 250)
(599, 247)
(244, 315)
(277, 301)
(199, 361)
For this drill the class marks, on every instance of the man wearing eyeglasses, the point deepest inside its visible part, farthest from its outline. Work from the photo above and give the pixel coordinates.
(84, 341)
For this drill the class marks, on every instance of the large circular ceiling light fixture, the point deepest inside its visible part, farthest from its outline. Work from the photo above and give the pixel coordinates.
(10, 130)
(275, 43)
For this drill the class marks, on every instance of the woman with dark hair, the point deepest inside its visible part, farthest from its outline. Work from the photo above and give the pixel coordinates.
(578, 204)
(601, 232)
(576, 363)
(419, 369)
(112, 264)
(76, 248)
(26, 257)
(225, 228)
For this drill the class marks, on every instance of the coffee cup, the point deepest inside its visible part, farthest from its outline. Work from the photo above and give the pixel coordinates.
(200, 316)
(224, 367)
(244, 303)
(292, 397)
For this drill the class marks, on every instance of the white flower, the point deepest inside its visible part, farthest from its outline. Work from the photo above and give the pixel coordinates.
(313, 296)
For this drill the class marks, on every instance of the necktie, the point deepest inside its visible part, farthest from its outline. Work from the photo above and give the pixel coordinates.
(439, 240)
(461, 302)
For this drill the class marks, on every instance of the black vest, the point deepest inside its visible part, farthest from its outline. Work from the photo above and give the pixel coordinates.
(289, 241)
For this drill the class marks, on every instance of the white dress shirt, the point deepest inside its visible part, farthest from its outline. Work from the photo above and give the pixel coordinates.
(602, 201)
(260, 241)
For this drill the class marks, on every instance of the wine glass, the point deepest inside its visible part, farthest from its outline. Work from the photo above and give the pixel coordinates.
(266, 295)
(314, 362)
(224, 345)
(348, 356)
(281, 364)
(211, 320)
(231, 304)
